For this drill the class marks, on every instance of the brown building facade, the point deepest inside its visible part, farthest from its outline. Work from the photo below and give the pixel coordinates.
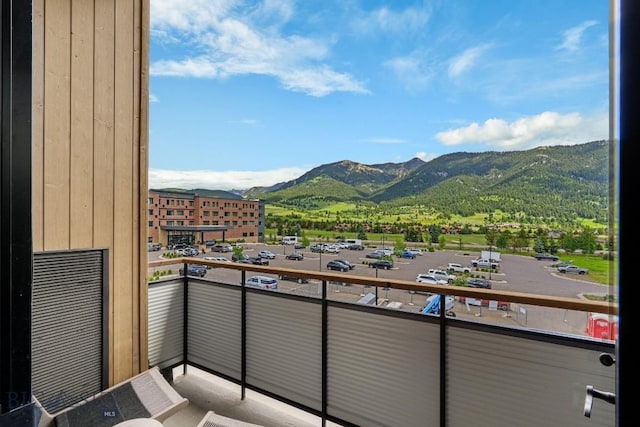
(195, 217)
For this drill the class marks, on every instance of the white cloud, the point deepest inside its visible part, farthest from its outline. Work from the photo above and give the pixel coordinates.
(548, 128)
(385, 140)
(573, 36)
(221, 180)
(412, 71)
(153, 98)
(426, 156)
(465, 60)
(405, 22)
(229, 44)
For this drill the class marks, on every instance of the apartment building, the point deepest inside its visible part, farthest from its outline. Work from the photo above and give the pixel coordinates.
(196, 216)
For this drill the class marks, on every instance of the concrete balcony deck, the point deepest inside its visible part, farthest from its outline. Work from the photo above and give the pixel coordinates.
(208, 392)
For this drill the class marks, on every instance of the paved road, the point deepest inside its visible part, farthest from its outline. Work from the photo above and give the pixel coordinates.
(517, 273)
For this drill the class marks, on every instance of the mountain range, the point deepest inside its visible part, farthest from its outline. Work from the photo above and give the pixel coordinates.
(562, 183)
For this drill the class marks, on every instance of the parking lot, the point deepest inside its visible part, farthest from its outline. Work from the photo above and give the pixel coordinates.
(517, 273)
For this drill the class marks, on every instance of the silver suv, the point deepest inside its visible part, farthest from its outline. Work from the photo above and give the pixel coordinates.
(442, 275)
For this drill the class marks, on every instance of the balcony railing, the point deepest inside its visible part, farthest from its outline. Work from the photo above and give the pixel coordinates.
(372, 365)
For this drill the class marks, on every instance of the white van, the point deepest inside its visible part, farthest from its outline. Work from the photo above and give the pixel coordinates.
(289, 240)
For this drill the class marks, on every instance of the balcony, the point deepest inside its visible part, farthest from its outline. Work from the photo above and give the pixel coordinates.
(324, 358)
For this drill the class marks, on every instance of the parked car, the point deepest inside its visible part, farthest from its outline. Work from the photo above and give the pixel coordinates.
(293, 278)
(337, 265)
(408, 254)
(299, 246)
(485, 263)
(222, 247)
(546, 257)
(501, 305)
(179, 245)
(209, 243)
(154, 247)
(382, 264)
(375, 255)
(356, 247)
(415, 251)
(458, 268)
(430, 279)
(216, 258)
(347, 263)
(194, 270)
(266, 254)
(478, 282)
(262, 282)
(295, 256)
(442, 274)
(257, 260)
(573, 269)
(333, 249)
(246, 259)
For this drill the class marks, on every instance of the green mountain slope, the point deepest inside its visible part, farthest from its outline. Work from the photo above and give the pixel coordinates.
(558, 181)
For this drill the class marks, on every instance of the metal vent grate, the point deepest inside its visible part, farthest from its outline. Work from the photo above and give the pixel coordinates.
(68, 326)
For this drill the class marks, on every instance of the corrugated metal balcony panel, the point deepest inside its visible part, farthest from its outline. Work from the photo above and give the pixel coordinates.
(284, 347)
(67, 326)
(383, 369)
(166, 320)
(215, 328)
(501, 379)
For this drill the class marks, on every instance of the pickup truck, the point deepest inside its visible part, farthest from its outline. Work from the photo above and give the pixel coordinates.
(458, 268)
(485, 263)
(545, 256)
(573, 269)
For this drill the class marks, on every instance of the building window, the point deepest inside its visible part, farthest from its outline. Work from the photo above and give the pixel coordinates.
(150, 200)
(205, 222)
(179, 222)
(150, 223)
(205, 213)
(191, 223)
(180, 212)
(190, 213)
(214, 223)
(150, 211)
(215, 213)
(226, 214)
(169, 222)
(191, 203)
(170, 212)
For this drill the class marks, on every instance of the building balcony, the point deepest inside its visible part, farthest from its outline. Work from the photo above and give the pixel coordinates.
(318, 354)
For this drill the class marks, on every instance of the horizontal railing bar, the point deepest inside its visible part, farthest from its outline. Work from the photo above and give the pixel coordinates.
(516, 297)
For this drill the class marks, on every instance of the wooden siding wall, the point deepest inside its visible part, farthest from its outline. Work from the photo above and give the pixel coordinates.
(90, 141)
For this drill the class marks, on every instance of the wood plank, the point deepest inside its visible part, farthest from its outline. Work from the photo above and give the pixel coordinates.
(37, 136)
(123, 195)
(81, 144)
(57, 42)
(143, 34)
(104, 146)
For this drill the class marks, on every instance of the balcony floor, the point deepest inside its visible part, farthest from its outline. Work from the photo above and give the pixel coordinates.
(210, 393)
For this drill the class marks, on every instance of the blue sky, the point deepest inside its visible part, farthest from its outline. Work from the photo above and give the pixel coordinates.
(252, 93)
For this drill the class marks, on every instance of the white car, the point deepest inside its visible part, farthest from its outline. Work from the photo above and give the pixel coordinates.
(458, 268)
(266, 254)
(262, 282)
(430, 279)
